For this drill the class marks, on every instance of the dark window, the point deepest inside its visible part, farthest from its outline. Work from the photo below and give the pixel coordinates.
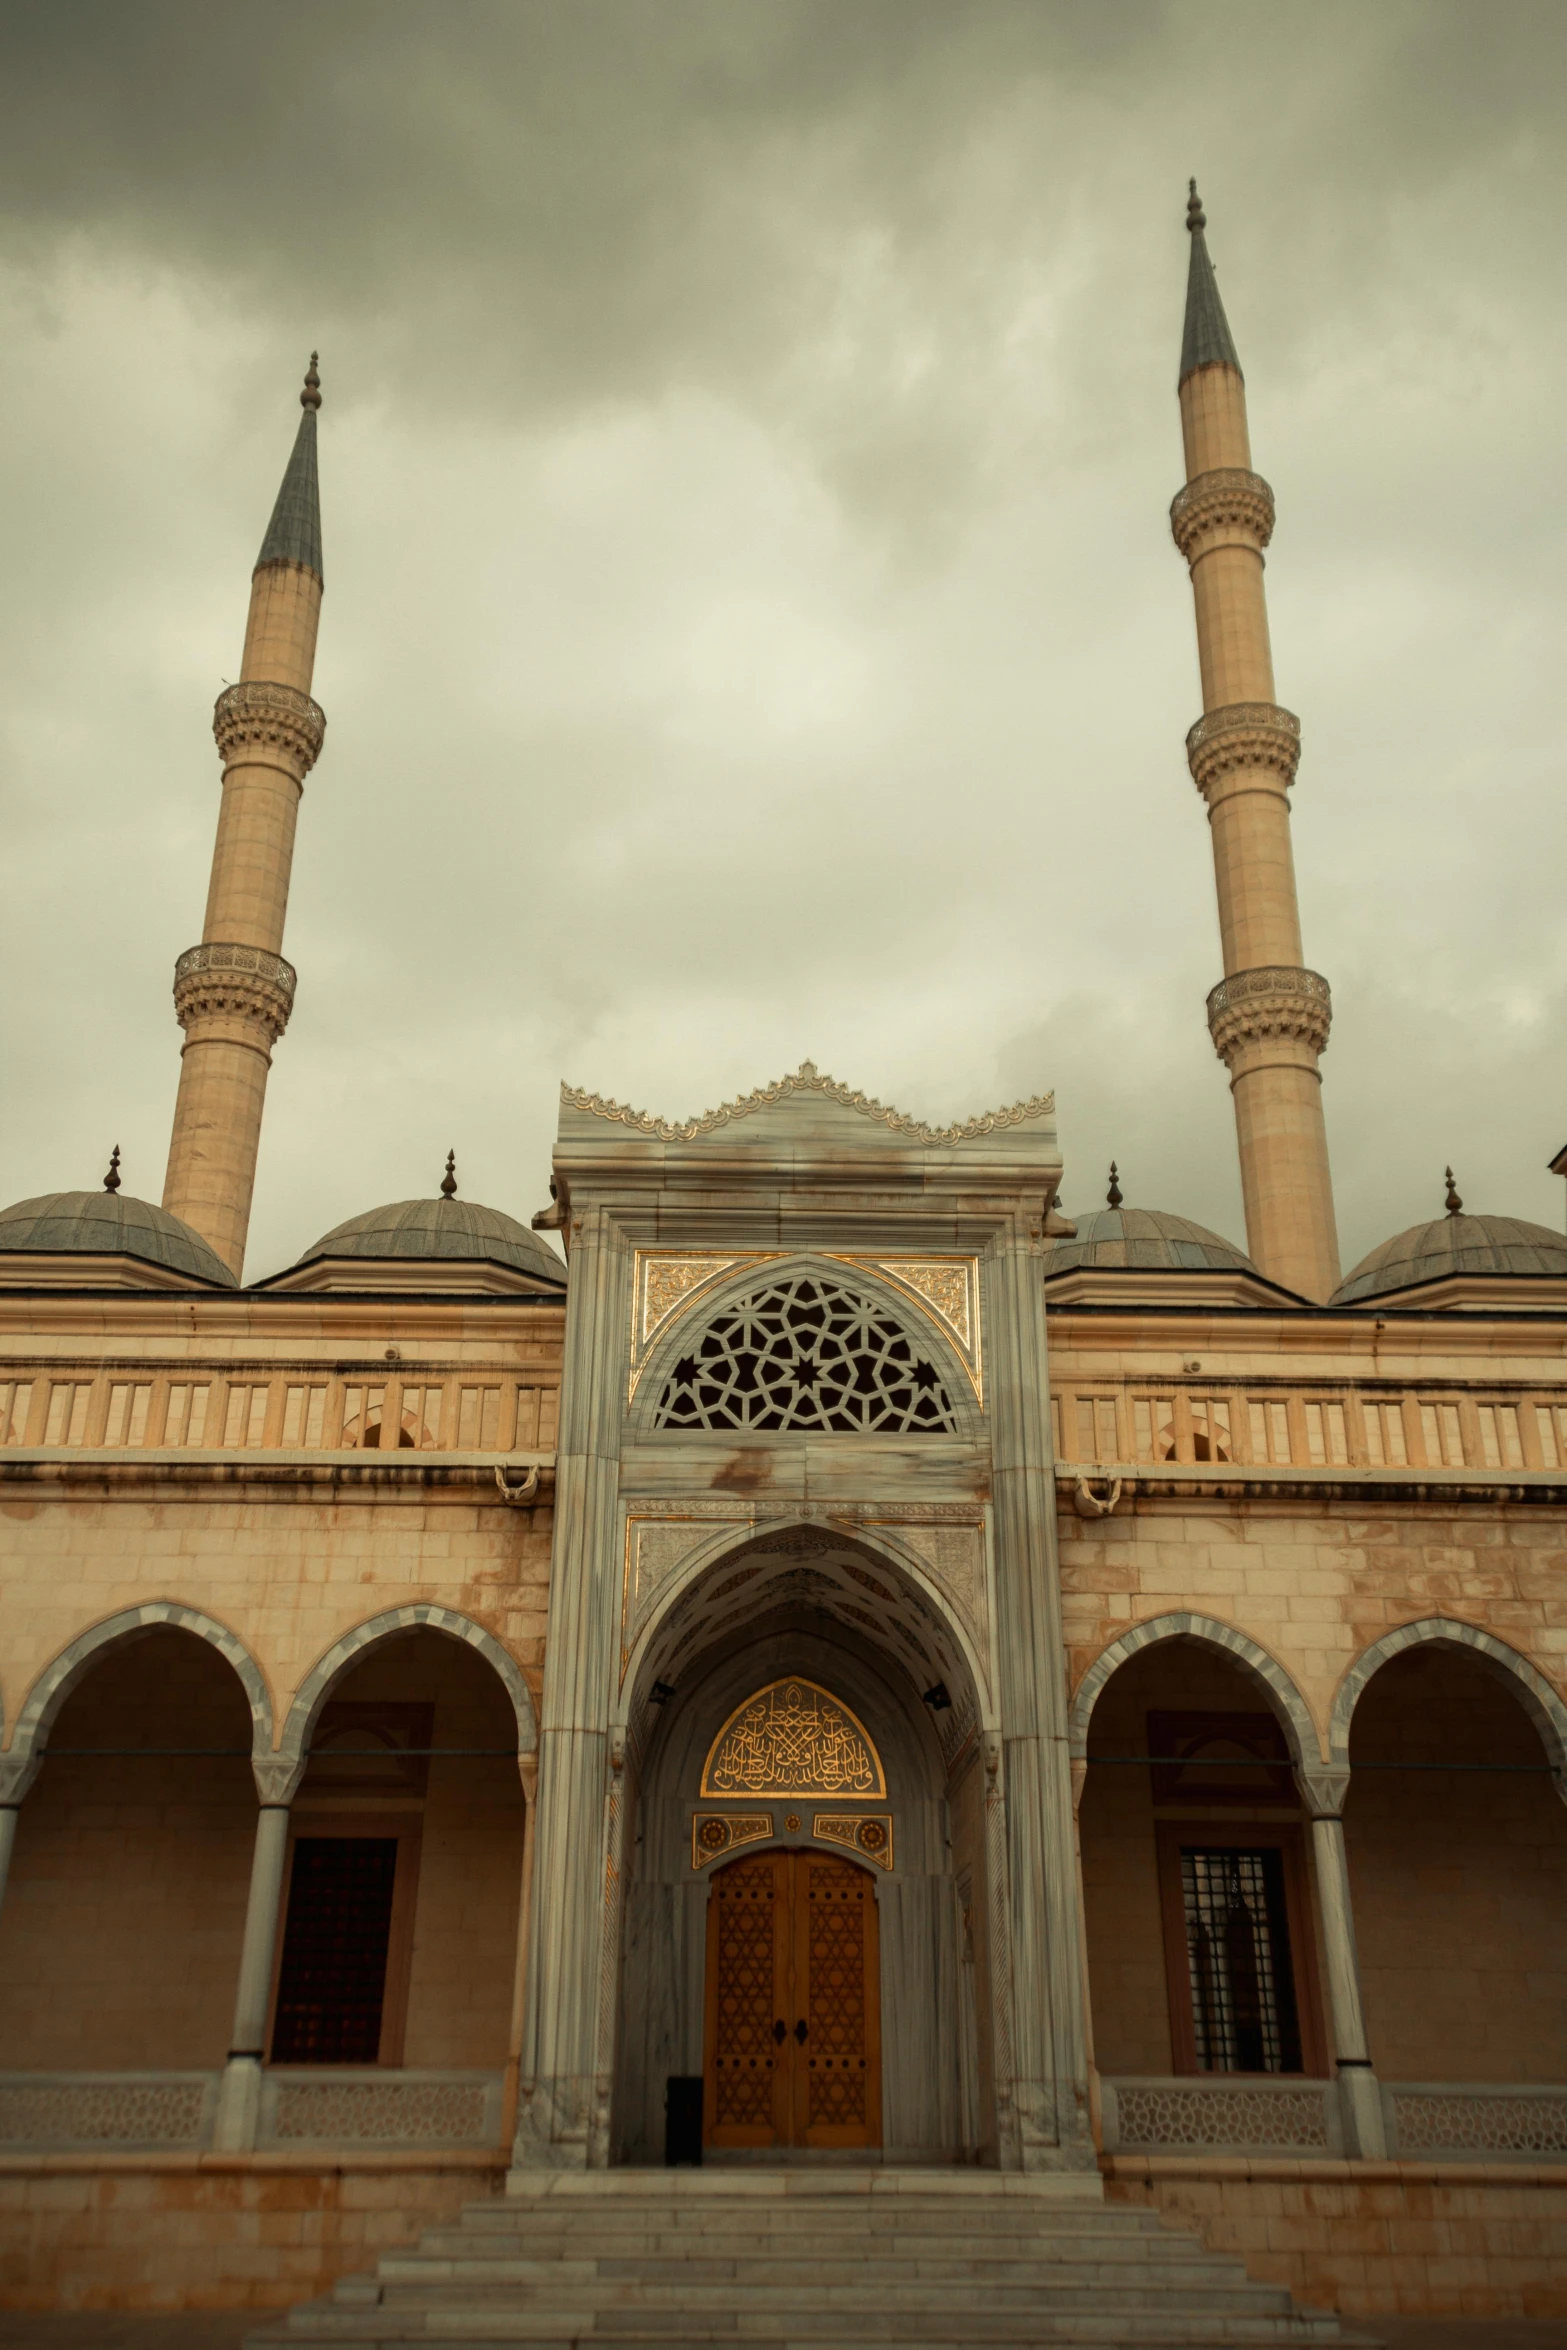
(333, 1979)
(1244, 2017)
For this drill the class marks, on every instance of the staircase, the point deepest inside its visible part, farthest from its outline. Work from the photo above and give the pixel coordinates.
(819, 2259)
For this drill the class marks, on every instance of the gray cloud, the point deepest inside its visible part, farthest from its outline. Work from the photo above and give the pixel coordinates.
(751, 625)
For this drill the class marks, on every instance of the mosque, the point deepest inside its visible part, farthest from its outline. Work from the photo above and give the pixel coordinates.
(800, 1688)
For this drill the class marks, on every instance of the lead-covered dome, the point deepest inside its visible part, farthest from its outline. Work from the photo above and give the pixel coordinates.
(423, 1244)
(1479, 1247)
(1145, 1238)
(48, 1238)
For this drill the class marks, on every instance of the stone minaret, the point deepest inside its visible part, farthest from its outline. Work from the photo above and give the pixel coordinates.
(234, 992)
(1268, 1016)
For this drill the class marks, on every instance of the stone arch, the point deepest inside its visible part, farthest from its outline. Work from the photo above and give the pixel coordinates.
(746, 1280)
(289, 1761)
(57, 1680)
(1534, 1693)
(1284, 1698)
(729, 1537)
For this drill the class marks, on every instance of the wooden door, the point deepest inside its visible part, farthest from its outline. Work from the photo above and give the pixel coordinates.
(793, 2038)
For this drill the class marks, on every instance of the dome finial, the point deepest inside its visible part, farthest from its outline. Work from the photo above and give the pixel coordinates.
(1113, 1195)
(1196, 218)
(449, 1179)
(111, 1181)
(310, 397)
(1455, 1206)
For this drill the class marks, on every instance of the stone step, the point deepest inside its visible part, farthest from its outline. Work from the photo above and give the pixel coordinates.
(783, 2244)
(489, 2274)
(563, 2330)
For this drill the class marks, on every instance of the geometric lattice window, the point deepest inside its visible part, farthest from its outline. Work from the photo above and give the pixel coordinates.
(807, 1353)
(1237, 1944)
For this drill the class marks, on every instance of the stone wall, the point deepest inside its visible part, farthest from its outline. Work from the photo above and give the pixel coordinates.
(1429, 2239)
(209, 2232)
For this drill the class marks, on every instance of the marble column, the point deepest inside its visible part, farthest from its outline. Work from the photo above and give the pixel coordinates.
(17, 1773)
(239, 2093)
(1049, 2044)
(564, 2092)
(1324, 1788)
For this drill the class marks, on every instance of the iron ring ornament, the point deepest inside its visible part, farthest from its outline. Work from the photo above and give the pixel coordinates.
(793, 1738)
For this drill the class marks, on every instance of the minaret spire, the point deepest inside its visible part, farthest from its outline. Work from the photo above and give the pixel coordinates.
(1269, 1016)
(233, 993)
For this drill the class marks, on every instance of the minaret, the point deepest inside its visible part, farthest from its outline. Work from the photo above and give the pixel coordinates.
(234, 992)
(1268, 1016)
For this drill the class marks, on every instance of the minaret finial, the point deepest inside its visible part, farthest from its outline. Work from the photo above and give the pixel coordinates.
(1113, 1195)
(111, 1181)
(1196, 218)
(449, 1179)
(310, 397)
(1455, 1206)
(1206, 340)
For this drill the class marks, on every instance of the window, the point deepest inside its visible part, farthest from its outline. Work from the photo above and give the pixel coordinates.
(337, 1945)
(810, 1354)
(1238, 1960)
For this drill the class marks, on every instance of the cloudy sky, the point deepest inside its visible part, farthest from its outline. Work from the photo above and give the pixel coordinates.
(752, 629)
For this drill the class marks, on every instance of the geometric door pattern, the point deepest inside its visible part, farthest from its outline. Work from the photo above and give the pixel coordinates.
(793, 2021)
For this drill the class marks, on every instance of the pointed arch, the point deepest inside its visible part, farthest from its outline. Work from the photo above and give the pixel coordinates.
(1543, 1704)
(324, 1675)
(58, 1678)
(1284, 1698)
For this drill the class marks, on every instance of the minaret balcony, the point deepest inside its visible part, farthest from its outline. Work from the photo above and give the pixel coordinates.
(1242, 735)
(1276, 1000)
(1226, 508)
(259, 715)
(220, 981)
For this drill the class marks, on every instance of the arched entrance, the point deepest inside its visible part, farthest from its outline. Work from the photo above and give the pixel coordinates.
(792, 2007)
(806, 1868)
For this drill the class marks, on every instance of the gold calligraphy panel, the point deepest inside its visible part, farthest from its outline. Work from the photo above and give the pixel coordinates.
(792, 1738)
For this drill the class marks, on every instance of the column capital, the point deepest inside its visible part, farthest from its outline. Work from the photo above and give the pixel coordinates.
(221, 980)
(1226, 508)
(1243, 735)
(1275, 1001)
(256, 714)
(1323, 1787)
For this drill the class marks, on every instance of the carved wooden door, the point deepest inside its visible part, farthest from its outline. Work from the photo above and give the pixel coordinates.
(793, 2054)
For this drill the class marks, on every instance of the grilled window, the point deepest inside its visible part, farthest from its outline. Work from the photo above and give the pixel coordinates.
(1244, 2017)
(807, 1353)
(332, 1983)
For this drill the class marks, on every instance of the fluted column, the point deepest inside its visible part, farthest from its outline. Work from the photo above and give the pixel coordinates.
(1269, 1017)
(233, 992)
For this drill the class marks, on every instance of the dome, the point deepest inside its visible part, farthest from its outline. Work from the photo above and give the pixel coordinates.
(448, 1231)
(1490, 1246)
(1144, 1239)
(108, 1224)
